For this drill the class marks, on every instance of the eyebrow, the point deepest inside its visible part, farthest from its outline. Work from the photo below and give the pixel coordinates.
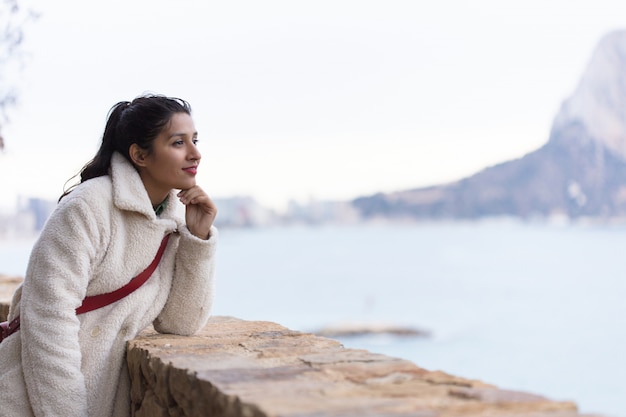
(195, 134)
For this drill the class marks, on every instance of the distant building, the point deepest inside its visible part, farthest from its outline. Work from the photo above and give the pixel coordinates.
(39, 208)
(28, 219)
(32, 213)
(243, 212)
(321, 212)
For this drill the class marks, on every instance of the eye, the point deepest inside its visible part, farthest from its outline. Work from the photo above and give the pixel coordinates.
(195, 141)
(178, 143)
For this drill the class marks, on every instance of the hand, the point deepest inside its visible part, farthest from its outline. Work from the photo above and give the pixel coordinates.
(200, 211)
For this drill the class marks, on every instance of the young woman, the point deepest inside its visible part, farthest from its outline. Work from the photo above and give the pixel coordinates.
(104, 232)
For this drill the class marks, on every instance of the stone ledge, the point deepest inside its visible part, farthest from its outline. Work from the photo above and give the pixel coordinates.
(237, 368)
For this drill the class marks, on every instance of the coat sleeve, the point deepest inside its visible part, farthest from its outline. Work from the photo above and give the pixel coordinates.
(55, 284)
(190, 300)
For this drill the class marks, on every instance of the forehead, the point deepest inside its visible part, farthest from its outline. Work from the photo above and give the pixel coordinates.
(179, 124)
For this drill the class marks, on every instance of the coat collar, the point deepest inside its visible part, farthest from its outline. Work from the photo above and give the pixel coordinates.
(129, 192)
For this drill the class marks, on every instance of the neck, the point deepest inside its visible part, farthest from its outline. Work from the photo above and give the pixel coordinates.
(156, 194)
(156, 201)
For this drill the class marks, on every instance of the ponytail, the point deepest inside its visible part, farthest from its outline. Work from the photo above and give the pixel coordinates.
(139, 122)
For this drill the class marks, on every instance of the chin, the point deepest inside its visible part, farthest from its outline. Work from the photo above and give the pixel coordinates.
(186, 186)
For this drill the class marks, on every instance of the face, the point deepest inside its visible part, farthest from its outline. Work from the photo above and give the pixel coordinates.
(173, 161)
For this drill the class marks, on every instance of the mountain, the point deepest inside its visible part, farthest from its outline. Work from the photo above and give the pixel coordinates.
(580, 171)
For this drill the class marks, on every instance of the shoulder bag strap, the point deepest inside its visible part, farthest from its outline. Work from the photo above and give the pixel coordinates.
(98, 301)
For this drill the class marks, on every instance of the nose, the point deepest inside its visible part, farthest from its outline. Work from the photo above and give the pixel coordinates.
(194, 153)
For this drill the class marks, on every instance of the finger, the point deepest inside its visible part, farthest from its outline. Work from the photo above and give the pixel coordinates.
(189, 191)
(191, 195)
(198, 198)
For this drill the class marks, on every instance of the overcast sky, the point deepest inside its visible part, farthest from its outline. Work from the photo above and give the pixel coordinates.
(304, 99)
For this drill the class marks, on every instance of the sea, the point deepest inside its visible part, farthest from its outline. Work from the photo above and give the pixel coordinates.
(529, 306)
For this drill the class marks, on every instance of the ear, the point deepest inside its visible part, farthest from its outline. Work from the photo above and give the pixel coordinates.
(137, 155)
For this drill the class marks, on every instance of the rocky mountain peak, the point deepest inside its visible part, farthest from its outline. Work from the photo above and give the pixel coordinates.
(599, 101)
(579, 173)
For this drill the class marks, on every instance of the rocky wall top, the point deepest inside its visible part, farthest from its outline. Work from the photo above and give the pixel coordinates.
(238, 368)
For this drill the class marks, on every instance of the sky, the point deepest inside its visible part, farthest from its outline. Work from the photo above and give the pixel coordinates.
(303, 100)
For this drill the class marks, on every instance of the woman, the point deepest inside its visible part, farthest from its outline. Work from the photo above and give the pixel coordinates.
(105, 231)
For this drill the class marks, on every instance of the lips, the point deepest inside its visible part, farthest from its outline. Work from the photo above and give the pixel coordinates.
(191, 170)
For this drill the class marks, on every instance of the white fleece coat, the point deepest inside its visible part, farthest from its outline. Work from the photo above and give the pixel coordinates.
(100, 236)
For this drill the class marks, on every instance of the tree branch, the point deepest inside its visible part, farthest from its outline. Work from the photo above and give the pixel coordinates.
(13, 19)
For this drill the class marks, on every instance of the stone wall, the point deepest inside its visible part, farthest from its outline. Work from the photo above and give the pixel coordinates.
(238, 368)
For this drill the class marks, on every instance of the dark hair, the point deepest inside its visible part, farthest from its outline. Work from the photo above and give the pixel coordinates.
(140, 122)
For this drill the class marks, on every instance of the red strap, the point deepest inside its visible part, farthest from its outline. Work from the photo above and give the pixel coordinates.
(97, 301)
(7, 329)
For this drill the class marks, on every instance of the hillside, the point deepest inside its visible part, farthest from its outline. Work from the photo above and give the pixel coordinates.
(580, 171)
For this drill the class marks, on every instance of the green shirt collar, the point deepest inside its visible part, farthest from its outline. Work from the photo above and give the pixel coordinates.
(161, 207)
